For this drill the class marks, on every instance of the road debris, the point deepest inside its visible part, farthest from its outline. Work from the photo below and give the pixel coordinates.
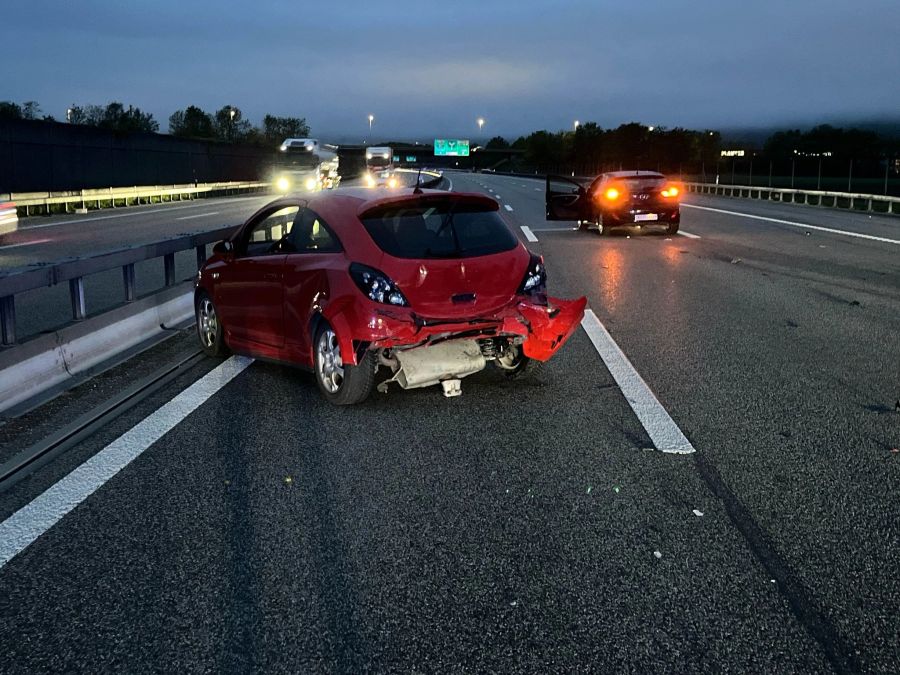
(589, 489)
(616, 489)
(288, 480)
(657, 554)
(735, 261)
(697, 512)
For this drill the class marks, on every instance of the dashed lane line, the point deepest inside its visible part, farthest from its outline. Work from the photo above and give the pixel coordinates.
(24, 243)
(507, 207)
(806, 226)
(661, 428)
(689, 235)
(529, 235)
(199, 215)
(23, 527)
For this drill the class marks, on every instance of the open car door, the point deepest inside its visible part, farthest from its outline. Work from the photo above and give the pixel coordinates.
(566, 199)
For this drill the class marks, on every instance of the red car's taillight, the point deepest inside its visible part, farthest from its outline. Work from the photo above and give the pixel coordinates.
(377, 285)
(535, 280)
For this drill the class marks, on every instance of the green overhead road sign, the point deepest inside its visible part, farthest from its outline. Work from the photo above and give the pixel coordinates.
(452, 147)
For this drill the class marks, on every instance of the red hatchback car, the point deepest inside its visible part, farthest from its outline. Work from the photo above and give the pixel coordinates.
(429, 284)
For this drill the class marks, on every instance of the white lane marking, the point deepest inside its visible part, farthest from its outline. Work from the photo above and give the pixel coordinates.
(496, 196)
(25, 243)
(663, 431)
(23, 527)
(507, 207)
(555, 229)
(151, 211)
(793, 224)
(199, 215)
(689, 235)
(537, 189)
(529, 235)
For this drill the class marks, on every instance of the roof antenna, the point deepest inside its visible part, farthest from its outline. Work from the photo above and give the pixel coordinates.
(418, 189)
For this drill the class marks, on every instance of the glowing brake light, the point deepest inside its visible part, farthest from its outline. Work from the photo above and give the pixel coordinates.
(670, 191)
(612, 194)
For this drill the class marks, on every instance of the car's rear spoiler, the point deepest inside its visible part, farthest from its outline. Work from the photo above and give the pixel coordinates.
(379, 207)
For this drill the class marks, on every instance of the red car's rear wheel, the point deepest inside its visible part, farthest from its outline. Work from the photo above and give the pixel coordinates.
(340, 383)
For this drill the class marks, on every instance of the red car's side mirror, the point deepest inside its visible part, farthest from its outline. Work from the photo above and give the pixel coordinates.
(223, 247)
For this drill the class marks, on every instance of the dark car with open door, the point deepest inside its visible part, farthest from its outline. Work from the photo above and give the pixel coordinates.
(616, 199)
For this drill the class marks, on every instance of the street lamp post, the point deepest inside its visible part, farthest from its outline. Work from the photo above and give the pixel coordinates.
(69, 115)
(480, 124)
(231, 113)
(371, 119)
(576, 125)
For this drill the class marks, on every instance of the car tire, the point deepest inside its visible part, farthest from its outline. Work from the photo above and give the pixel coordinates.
(340, 384)
(672, 228)
(209, 328)
(519, 366)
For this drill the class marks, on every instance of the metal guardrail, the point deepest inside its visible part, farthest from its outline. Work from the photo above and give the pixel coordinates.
(835, 200)
(15, 281)
(27, 201)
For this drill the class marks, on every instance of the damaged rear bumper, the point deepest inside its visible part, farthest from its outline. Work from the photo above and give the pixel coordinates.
(540, 329)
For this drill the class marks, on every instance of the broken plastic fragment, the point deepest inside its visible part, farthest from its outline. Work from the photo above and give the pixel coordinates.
(589, 489)
(657, 554)
(698, 512)
(288, 479)
(615, 488)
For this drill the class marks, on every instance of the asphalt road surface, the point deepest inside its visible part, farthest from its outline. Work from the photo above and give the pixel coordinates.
(239, 523)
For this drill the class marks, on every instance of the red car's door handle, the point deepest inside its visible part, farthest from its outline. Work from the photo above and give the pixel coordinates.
(270, 276)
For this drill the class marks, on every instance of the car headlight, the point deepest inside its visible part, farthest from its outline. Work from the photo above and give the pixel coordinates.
(283, 184)
(392, 182)
(535, 280)
(377, 285)
(310, 183)
(370, 181)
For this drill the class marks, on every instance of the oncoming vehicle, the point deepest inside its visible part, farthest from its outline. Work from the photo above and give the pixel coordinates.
(380, 167)
(616, 199)
(9, 219)
(429, 285)
(305, 165)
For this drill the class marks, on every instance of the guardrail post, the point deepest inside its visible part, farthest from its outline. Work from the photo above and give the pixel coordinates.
(76, 294)
(169, 264)
(8, 319)
(128, 279)
(201, 256)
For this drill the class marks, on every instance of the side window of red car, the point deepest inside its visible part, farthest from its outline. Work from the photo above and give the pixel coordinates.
(311, 234)
(265, 235)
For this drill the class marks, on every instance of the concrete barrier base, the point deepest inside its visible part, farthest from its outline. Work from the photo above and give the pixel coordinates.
(47, 361)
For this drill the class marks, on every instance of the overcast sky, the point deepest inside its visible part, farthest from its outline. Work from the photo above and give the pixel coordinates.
(431, 68)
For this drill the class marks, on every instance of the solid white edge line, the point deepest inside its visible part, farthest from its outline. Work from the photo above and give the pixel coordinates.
(689, 235)
(831, 230)
(199, 215)
(23, 527)
(529, 235)
(661, 428)
(507, 207)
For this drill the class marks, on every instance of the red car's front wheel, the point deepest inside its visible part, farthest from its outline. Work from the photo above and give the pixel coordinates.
(341, 383)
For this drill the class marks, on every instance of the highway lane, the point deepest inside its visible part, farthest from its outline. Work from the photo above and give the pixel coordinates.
(523, 526)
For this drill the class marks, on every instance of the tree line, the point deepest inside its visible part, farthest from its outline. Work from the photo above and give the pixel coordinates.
(589, 149)
(226, 124)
